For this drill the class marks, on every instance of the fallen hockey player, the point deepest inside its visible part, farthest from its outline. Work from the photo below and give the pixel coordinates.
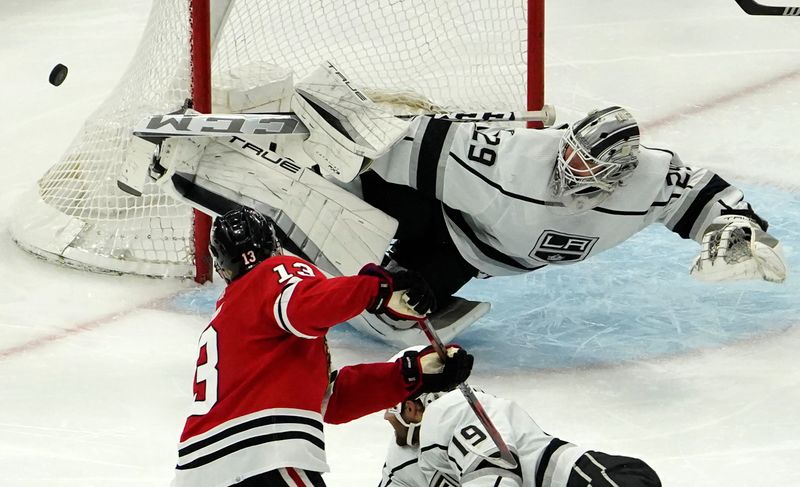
(438, 441)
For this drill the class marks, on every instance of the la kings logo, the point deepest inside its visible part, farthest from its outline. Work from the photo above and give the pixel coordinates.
(557, 247)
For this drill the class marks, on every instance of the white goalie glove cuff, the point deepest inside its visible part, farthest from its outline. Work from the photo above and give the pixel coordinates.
(735, 248)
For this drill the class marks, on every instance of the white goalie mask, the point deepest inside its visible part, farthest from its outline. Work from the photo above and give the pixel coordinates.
(595, 154)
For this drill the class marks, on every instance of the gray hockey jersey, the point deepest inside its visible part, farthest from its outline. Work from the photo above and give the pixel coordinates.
(495, 188)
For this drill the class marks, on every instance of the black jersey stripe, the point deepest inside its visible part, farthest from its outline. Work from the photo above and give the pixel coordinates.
(458, 219)
(704, 196)
(432, 446)
(488, 465)
(498, 187)
(402, 466)
(544, 461)
(248, 425)
(609, 211)
(395, 470)
(430, 152)
(250, 442)
(535, 201)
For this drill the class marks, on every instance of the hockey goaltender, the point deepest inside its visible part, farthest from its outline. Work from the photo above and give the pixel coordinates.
(453, 199)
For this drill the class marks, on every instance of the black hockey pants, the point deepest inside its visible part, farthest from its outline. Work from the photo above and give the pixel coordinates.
(423, 242)
(602, 470)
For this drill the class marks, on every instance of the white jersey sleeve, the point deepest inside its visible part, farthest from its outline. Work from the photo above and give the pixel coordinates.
(401, 468)
(455, 449)
(692, 198)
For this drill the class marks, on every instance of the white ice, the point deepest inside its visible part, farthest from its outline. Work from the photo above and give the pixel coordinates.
(95, 371)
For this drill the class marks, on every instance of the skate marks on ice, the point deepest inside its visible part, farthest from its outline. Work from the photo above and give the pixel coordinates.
(634, 302)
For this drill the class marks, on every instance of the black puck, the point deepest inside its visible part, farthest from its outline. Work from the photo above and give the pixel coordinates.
(58, 74)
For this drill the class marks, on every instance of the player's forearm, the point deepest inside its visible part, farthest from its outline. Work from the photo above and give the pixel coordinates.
(366, 388)
(314, 306)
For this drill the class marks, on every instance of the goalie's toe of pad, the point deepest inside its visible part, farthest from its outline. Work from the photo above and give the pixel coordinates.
(448, 321)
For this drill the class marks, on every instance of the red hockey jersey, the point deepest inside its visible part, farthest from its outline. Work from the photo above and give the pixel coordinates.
(263, 371)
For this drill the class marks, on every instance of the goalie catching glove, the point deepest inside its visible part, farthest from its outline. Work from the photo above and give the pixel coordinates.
(436, 376)
(402, 294)
(737, 247)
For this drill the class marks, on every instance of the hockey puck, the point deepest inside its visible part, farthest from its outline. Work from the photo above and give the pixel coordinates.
(58, 74)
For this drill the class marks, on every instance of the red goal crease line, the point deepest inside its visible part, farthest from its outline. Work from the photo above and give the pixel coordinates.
(82, 327)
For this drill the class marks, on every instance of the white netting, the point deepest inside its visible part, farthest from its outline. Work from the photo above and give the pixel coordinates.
(469, 55)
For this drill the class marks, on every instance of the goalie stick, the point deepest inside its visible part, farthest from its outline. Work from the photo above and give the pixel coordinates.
(192, 125)
(506, 459)
(751, 7)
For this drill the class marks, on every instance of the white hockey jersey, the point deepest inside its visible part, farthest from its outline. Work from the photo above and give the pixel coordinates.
(454, 448)
(500, 212)
(401, 468)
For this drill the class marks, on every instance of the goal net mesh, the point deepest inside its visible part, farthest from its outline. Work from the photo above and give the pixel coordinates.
(465, 55)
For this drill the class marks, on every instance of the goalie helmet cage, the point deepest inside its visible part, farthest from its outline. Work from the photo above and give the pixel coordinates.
(477, 55)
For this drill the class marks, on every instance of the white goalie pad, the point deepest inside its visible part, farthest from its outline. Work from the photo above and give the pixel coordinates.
(347, 130)
(448, 322)
(330, 226)
(253, 88)
(734, 249)
(333, 228)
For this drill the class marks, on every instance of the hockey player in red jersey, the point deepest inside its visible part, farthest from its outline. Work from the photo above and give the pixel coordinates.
(263, 385)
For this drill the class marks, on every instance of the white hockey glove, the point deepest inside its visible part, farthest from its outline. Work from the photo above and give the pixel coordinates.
(347, 129)
(735, 248)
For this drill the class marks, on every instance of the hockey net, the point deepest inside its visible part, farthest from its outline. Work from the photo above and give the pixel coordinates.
(469, 55)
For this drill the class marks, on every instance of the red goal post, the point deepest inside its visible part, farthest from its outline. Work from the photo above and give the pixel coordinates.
(476, 55)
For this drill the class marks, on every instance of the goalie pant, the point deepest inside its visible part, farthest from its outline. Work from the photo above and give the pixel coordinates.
(490, 190)
(263, 384)
(454, 446)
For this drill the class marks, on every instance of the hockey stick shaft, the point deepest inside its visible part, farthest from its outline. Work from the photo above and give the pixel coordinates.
(506, 458)
(751, 7)
(547, 115)
(225, 125)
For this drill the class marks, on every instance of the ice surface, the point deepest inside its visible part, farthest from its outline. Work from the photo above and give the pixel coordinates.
(624, 352)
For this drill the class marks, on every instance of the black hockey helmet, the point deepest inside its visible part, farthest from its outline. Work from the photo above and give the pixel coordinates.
(240, 240)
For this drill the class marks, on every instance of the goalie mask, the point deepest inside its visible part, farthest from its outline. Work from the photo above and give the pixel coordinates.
(594, 156)
(240, 240)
